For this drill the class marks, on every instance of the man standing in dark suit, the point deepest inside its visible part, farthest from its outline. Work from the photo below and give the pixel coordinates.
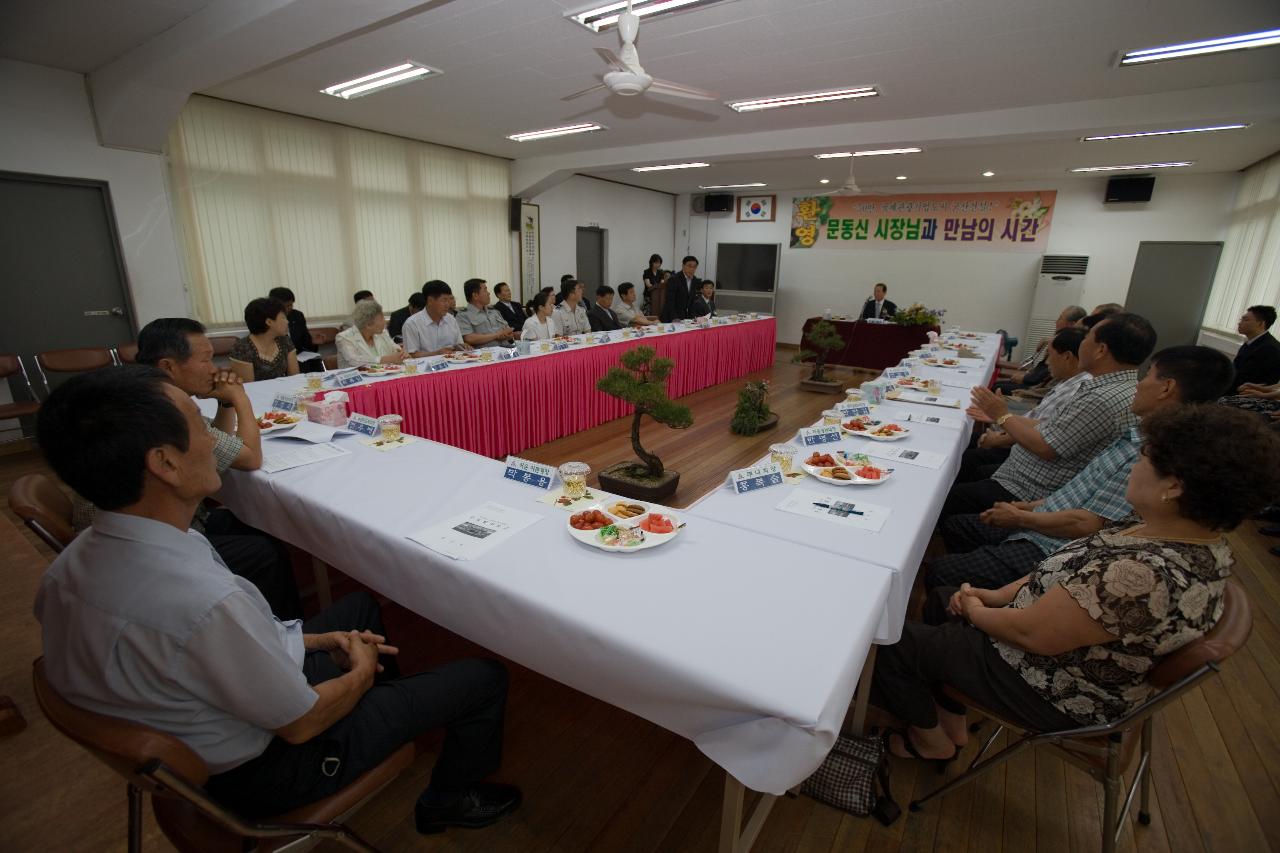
(600, 313)
(877, 307)
(680, 289)
(511, 312)
(1258, 360)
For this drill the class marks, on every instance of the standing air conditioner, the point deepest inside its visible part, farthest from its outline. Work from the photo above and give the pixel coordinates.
(1059, 284)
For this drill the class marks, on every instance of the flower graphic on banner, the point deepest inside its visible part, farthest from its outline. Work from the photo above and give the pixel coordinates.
(1027, 209)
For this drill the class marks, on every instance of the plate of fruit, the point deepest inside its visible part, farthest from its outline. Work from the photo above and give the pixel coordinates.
(841, 470)
(275, 420)
(887, 432)
(599, 527)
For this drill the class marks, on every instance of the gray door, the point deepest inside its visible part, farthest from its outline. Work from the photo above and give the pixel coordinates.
(1170, 287)
(590, 260)
(60, 264)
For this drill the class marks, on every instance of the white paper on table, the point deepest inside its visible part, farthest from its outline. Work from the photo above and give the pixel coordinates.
(926, 399)
(307, 431)
(906, 455)
(308, 356)
(921, 418)
(282, 455)
(470, 534)
(828, 508)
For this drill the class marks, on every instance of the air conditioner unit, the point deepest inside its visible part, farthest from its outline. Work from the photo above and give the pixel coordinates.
(1059, 283)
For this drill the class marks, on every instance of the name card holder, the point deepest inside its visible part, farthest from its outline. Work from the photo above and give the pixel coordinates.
(854, 410)
(282, 403)
(897, 373)
(505, 354)
(810, 436)
(433, 363)
(345, 378)
(760, 477)
(364, 425)
(530, 473)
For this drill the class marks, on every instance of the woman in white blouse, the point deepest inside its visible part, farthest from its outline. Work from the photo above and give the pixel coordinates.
(367, 341)
(541, 326)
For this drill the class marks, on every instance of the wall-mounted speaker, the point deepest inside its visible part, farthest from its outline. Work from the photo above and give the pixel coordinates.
(719, 202)
(513, 213)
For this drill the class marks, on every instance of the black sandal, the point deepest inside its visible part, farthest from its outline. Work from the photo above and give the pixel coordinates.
(907, 744)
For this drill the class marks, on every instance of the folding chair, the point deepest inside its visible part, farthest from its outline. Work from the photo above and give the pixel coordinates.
(45, 508)
(76, 360)
(127, 353)
(11, 365)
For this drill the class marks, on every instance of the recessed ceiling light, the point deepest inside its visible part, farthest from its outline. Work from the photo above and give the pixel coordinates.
(566, 130)
(874, 152)
(405, 72)
(824, 180)
(732, 186)
(755, 104)
(1135, 166)
(1139, 134)
(901, 178)
(988, 174)
(1243, 41)
(604, 16)
(670, 166)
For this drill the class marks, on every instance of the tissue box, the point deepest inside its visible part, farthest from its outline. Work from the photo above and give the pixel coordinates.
(331, 411)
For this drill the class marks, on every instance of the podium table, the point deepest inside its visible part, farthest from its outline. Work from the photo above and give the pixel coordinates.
(873, 346)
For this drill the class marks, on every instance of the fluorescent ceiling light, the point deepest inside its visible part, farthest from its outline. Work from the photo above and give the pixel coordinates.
(405, 72)
(872, 153)
(824, 180)
(1135, 166)
(566, 130)
(1140, 134)
(1243, 41)
(602, 17)
(988, 174)
(803, 98)
(901, 178)
(732, 186)
(670, 166)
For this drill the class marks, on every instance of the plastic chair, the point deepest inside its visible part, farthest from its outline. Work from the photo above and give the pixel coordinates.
(127, 353)
(77, 360)
(163, 766)
(1007, 343)
(44, 508)
(11, 365)
(1104, 751)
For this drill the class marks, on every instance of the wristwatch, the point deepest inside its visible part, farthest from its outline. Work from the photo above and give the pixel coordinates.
(1000, 420)
(225, 405)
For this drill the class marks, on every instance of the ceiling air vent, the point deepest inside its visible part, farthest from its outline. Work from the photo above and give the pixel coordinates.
(1065, 264)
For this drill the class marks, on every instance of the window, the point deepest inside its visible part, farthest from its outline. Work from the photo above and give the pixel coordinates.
(266, 199)
(1249, 272)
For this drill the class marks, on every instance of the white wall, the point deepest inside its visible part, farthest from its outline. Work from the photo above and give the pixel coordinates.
(980, 290)
(47, 129)
(639, 222)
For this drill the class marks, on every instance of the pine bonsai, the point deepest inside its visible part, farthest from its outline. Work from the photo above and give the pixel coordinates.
(823, 337)
(642, 382)
(752, 410)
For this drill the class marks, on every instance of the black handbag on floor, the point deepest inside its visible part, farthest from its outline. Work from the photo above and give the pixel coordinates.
(854, 777)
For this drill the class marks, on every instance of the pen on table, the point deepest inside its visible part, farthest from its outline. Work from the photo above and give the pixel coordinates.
(850, 511)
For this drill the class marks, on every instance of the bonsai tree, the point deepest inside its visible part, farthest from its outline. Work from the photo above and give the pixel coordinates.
(823, 337)
(642, 382)
(752, 409)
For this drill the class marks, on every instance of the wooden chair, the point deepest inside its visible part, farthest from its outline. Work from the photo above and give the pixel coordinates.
(330, 362)
(76, 360)
(163, 766)
(11, 365)
(45, 508)
(127, 353)
(324, 335)
(1104, 751)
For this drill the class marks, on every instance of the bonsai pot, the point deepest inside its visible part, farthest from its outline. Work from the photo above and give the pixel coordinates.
(766, 424)
(824, 387)
(627, 479)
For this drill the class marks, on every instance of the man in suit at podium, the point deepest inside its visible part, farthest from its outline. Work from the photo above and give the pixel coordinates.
(680, 289)
(878, 307)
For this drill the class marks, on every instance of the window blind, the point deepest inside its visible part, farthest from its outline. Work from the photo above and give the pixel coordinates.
(1249, 271)
(266, 199)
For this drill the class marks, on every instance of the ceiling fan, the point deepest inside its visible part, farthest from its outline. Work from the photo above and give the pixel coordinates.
(850, 188)
(628, 77)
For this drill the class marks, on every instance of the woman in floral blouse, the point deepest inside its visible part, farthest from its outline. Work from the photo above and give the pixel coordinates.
(1072, 643)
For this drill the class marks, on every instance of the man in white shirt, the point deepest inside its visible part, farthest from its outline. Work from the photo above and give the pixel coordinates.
(141, 620)
(571, 314)
(433, 331)
(625, 308)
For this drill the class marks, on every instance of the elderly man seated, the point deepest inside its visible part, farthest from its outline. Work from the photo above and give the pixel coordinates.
(141, 620)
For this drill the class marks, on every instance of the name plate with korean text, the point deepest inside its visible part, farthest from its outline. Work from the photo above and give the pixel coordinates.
(282, 403)
(854, 410)
(760, 477)
(345, 378)
(810, 436)
(897, 373)
(530, 473)
(505, 354)
(364, 425)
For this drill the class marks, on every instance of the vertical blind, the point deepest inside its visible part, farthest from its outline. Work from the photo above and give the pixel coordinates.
(266, 199)
(1249, 272)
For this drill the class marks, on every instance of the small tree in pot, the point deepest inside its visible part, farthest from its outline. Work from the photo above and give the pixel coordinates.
(752, 414)
(823, 338)
(642, 382)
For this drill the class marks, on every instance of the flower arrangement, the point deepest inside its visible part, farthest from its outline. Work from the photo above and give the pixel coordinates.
(918, 315)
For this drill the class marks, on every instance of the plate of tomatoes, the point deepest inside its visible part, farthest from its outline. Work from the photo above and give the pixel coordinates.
(841, 470)
(274, 421)
(887, 432)
(597, 527)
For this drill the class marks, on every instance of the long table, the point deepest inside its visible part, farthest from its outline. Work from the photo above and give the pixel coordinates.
(504, 407)
(872, 346)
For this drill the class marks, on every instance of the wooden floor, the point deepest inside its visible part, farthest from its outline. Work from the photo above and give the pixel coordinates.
(599, 779)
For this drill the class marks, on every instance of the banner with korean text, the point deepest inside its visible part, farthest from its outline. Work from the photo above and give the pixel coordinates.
(992, 222)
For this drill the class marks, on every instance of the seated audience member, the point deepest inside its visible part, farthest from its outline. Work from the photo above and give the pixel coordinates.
(625, 307)
(142, 621)
(361, 295)
(1072, 643)
(367, 341)
(649, 279)
(703, 303)
(1006, 541)
(564, 278)
(551, 295)
(178, 346)
(571, 315)
(433, 330)
(1033, 371)
(480, 325)
(1258, 359)
(541, 326)
(1106, 309)
(266, 352)
(877, 306)
(600, 313)
(1260, 399)
(1048, 453)
(395, 323)
(298, 331)
(994, 445)
(512, 312)
(679, 291)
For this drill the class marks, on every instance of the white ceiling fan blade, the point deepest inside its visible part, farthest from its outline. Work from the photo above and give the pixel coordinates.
(611, 58)
(586, 91)
(666, 87)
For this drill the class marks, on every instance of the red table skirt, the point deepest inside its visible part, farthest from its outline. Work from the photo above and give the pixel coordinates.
(506, 407)
(873, 346)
